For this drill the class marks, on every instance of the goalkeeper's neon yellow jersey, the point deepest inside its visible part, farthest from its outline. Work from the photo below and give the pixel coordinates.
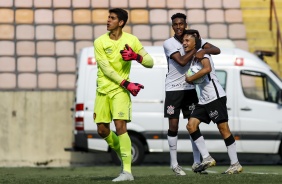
(112, 69)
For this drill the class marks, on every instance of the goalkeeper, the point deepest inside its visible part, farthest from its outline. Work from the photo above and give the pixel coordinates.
(114, 52)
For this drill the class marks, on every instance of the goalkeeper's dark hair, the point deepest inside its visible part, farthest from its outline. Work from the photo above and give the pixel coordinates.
(179, 15)
(195, 33)
(121, 14)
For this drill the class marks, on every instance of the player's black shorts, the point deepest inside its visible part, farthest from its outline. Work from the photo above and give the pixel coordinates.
(175, 101)
(215, 111)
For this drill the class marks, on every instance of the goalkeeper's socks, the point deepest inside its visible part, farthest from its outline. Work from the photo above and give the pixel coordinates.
(125, 150)
(113, 141)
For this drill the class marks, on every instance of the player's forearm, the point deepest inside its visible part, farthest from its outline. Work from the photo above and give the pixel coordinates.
(211, 49)
(110, 72)
(183, 60)
(148, 61)
(187, 57)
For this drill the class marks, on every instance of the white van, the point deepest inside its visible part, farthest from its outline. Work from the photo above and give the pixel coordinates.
(254, 101)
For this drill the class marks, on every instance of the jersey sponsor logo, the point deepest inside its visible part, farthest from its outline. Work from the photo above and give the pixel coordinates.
(170, 110)
(176, 85)
(213, 114)
(182, 85)
(187, 85)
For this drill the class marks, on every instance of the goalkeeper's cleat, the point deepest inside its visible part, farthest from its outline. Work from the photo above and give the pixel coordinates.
(195, 166)
(234, 169)
(206, 163)
(124, 176)
(178, 171)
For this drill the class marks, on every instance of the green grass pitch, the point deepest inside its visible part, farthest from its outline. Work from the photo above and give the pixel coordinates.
(143, 174)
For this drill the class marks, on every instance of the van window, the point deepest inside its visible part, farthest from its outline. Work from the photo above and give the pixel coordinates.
(258, 86)
(221, 75)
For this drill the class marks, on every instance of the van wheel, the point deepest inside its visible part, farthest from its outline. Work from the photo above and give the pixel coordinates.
(137, 150)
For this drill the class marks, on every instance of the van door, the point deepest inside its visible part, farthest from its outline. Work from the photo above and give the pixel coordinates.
(259, 114)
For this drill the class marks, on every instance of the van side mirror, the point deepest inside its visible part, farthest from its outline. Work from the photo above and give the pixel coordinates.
(279, 97)
(262, 53)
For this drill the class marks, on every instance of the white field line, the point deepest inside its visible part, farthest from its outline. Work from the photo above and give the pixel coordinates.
(260, 173)
(189, 169)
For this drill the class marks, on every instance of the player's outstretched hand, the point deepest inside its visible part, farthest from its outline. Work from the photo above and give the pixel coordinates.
(128, 54)
(133, 88)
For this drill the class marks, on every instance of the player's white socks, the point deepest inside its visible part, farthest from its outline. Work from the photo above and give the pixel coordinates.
(232, 153)
(200, 142)
(196, 152)
(172, 143)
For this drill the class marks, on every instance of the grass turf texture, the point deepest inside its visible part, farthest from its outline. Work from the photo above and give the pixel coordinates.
(142, 174)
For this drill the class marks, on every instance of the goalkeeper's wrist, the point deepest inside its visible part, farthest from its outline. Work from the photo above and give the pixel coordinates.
(139, 58)
(124, 83)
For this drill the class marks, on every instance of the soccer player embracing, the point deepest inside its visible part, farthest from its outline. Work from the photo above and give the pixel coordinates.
(211, 107)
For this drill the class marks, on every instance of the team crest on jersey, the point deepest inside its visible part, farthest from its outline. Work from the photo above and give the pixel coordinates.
(192, 107)
(170, 110)
(109, 51)
(121, 114)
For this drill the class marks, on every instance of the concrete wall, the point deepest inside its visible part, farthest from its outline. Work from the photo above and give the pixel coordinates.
(35, 127)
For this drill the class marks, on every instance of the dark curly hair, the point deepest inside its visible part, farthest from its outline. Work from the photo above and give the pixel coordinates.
(179, 15)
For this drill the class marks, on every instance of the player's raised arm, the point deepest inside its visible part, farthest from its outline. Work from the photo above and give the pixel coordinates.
(207, 49)
(141, 57)
(181, 60)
